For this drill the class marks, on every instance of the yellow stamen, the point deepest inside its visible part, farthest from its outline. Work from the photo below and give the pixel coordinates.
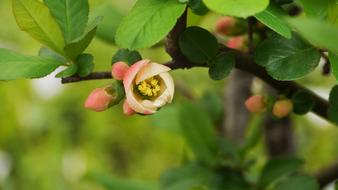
(149, 87)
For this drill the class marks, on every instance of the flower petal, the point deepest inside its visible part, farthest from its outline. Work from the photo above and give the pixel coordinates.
(169, 83)
(135, 104)
(127, 110)
(152, 69)
(119, 69)
(132, 72)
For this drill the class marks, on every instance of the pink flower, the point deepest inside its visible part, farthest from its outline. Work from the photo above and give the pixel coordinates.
(119, 69)
(148, 86)
(98, 100)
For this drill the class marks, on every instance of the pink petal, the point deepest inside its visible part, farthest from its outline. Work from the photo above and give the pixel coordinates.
(98, 100)
(132, 72)
(127, 110)
(152, 69)
(119, 70)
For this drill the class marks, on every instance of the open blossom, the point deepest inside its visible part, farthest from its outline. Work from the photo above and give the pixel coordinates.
(148, 86)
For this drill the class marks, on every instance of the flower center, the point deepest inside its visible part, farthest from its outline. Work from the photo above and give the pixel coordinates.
(149, 87)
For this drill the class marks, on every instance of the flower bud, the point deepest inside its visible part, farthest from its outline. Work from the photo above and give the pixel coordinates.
(282, 108)
(119, 70)
(224, 25)
(238, 42)
(103, 98)
(256, 104)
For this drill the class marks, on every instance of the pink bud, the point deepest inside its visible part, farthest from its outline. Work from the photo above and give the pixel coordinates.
(282, 108)
(256, 104)
(236, 42)
(224, 25)
(98, 100)
(127, 110)
(119, 70)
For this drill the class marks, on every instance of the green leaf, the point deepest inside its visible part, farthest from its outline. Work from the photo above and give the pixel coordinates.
(48, 53)
(72, 16)
(298, 182)
(317, 32)
(333, 105)
(15, 66)
(76, 47)
(334, 64)
(238, 8)
(277, 168)
(228, 179)
(315, 8)
(198, 131)
(287, 59)
(336, 185)
(272, 17)
(85, 63)
(34, 18)
(198, 45)
(222, 66)
(198, 7)
(303, 102)
(127, 56)
(69, 71)
(282, 2)
(111, 19)
(148, 22)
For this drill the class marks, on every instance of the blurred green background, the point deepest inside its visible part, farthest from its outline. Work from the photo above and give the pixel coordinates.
(48, 141)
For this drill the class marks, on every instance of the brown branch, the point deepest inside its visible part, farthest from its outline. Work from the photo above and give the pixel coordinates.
(327, 175)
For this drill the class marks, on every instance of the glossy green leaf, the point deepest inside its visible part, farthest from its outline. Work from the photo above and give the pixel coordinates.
(287, 59)
(277, 168)
(34, 18)
(198, 7)
(298, 182)
(198, 131)
(333, 105)
(198, 45)
(222, 66)
(319, 33)
(303, 102)
(72, 16)
(85, 63)
(238, 8)
(148, 22)
(69, 71)
(15, 66)
(127, 56)
(334, 64)
(76, 47)
(48, 53)
(272, 17)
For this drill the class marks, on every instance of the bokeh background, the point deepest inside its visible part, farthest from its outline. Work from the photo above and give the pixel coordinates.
(48, 141)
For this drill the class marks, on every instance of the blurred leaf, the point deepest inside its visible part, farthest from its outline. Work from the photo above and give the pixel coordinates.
(315, 8)
(213, 105)
(336, 185)
(237, 8)
(228, 179)
(72, 16)
(229, 151)
(333, 105)
(79, 45)
(333, 14)
(34, 18)
(272, 17)
(277, 168)
(282, 2)
(111, 183)
(127, 56)
(69, 71)
(198, 131)
(221, 66)
(85, 63)
(334, 64)
(198, 45)
(148, 22)
(298, 182)
(198, 7)
(287, 59)
(303, 102)
(255, 134)
(16, 66)
(187, 177)
(48, 53)
(161, 119)
(317, 32)
(111, 19)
